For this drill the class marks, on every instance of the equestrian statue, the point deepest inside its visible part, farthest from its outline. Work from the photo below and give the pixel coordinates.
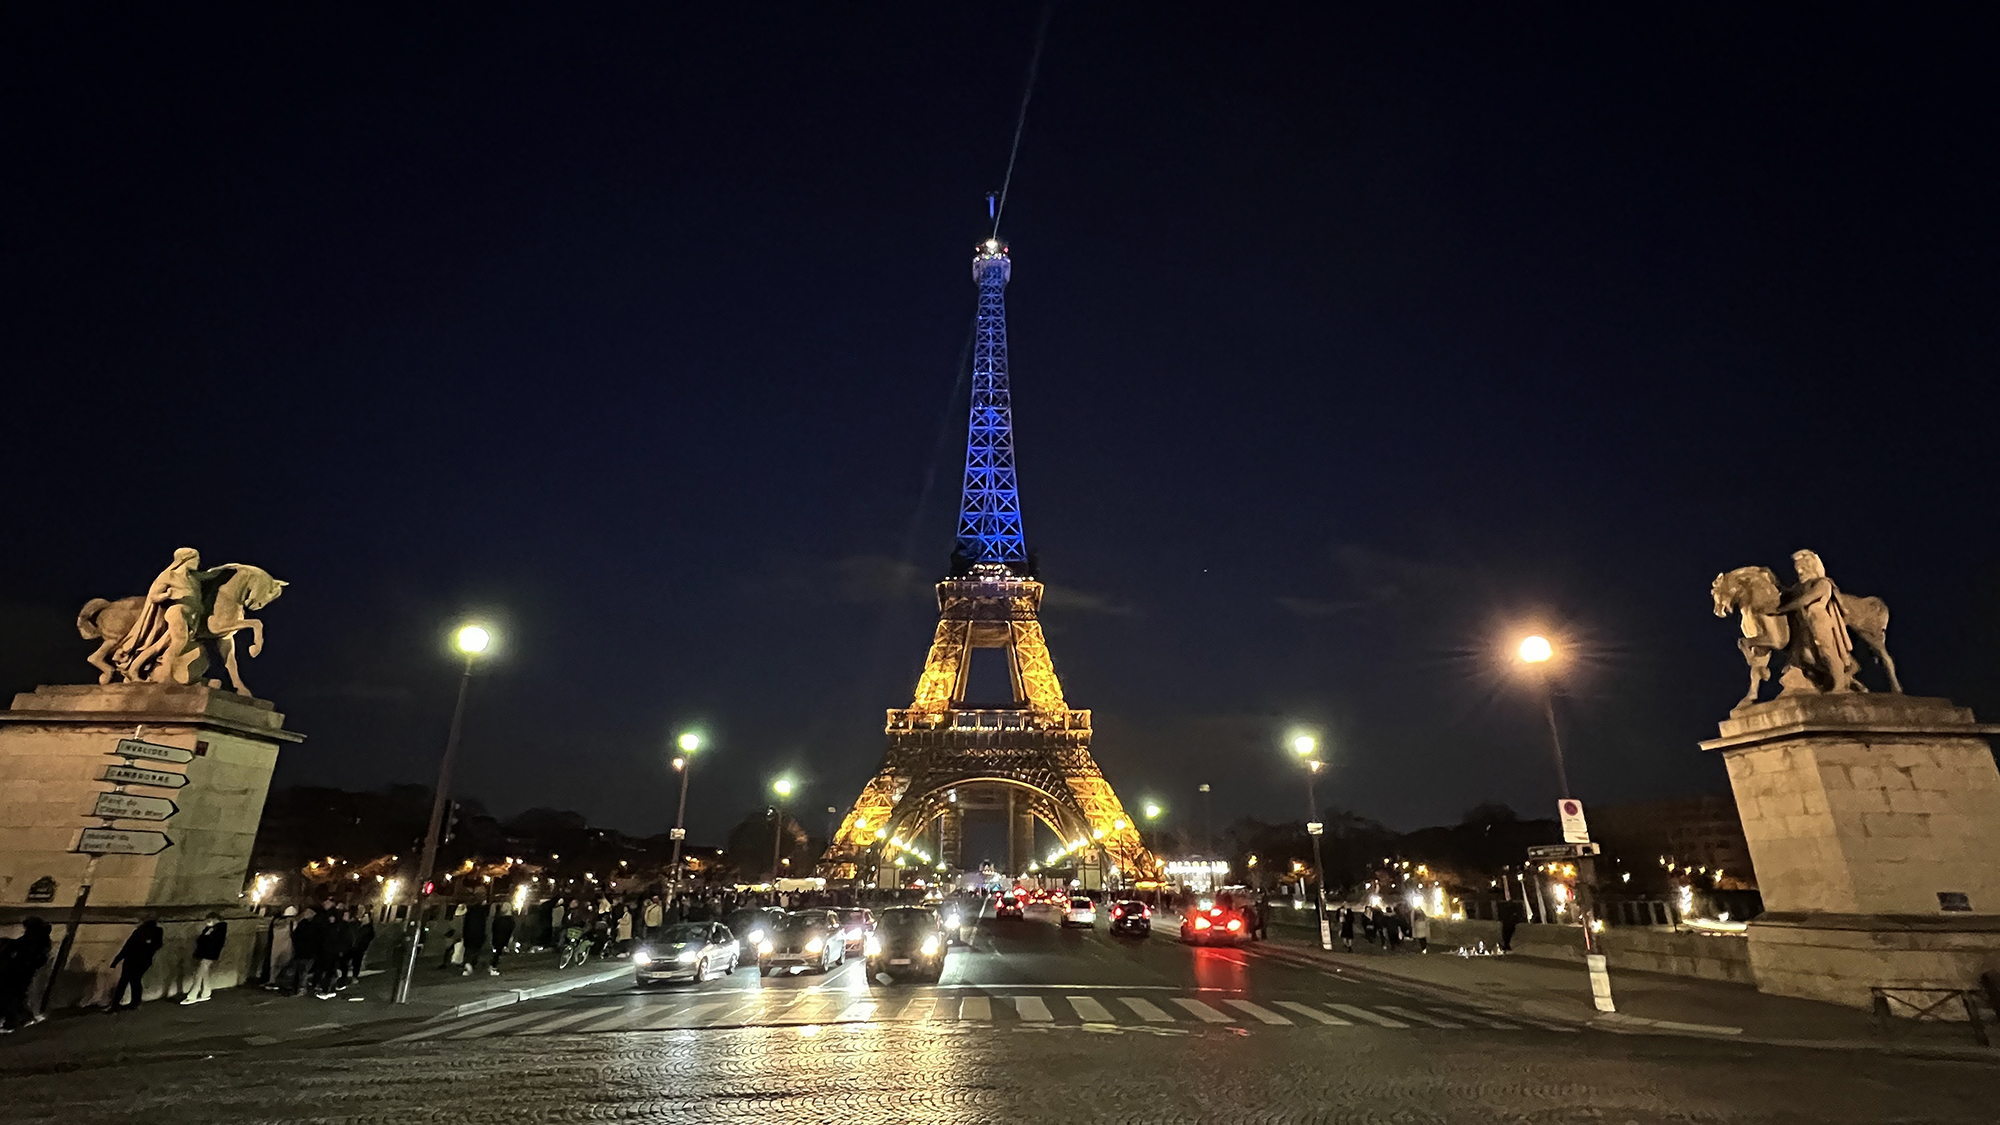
(164, 636)
(1810, 623)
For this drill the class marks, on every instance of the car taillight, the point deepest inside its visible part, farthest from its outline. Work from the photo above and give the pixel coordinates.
(1236, 923)
(1148, 911)
(1118, 912)
(1201, 923)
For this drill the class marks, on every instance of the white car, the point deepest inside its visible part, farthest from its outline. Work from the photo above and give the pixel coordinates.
(1080, 912)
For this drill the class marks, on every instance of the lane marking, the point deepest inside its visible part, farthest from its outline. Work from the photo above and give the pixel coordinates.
(943, 1009)
(694, 1014)
(1090, 1010)
(618, 1018)
(1259, 1011)
(513, 1020)
(976, 1008)
(1311, 1012)
(1032, 1008)
(1420, 1017)
(859, 1010)
(1147, 1010)
(561, 1021)
(1371, 1017)
(1201, 1011)
(447, 1026)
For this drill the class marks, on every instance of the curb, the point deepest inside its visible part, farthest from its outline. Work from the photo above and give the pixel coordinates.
(520, 995)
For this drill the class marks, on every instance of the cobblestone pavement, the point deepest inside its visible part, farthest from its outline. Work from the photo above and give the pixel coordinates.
(872, 1074)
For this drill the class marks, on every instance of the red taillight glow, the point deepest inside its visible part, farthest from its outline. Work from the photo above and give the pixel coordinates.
(1236, 923)
(1148, 911)
(1215, 912)
(1200, 923)
(1118, 912)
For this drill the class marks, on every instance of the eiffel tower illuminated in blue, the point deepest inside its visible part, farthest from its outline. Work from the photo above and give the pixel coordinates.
(989, 512)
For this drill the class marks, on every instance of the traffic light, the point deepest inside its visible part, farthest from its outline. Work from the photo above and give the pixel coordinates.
(450, 821)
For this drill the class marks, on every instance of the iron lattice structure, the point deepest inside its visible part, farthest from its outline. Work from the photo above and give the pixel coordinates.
(945, 755)
(989, 513)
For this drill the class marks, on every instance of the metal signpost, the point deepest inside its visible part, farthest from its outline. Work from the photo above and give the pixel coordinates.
(135, 775)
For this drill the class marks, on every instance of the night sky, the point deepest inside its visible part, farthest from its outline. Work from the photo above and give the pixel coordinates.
(1343, 351)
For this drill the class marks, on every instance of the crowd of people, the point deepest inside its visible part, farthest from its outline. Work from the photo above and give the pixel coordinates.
(319, 949)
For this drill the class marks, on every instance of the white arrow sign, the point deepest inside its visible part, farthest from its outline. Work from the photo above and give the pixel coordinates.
(115, 841)
(131, 806)
(133, 748)
(133, 775)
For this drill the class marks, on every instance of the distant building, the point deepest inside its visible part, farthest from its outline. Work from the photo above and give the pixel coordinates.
(1687, 832)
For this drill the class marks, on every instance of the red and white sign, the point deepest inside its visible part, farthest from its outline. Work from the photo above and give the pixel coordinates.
(1575, 831)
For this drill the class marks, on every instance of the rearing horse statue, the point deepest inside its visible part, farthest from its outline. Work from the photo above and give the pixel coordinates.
(1752, 593)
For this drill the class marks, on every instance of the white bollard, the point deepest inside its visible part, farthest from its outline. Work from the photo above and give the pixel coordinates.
(1600, 982)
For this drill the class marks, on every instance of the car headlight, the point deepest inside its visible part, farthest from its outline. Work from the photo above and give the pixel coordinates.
(641, 957)
(873, 948)
(764, 948)
(689, 956)
(756, 938)
(952, 921)
(815, 945)
(929, 948)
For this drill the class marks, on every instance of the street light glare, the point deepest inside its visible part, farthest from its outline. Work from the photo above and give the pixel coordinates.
(690, 742)
(1304, 745)
(1152, 810)
(472, 640)
(1536, 649)
(782, 786)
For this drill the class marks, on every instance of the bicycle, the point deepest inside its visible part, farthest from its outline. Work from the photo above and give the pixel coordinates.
(575, 951)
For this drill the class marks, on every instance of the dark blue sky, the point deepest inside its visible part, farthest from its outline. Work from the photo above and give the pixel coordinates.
(1343, 345)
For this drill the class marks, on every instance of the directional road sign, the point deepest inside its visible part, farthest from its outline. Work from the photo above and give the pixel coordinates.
(116, 841)
(133, 748)
(131, 806)
(133, 775)
(1562, 851)
(677, 833)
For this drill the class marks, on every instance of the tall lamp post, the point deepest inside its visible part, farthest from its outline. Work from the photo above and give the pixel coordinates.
(783, 788)
(1307, 748)
(683, 765)
(1537, 653)
(1153, 811)
(472, 640)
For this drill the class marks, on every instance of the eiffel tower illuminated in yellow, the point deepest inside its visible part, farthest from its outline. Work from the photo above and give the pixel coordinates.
(945, 757)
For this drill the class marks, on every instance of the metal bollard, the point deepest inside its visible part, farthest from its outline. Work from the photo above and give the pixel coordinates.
(1600, 982)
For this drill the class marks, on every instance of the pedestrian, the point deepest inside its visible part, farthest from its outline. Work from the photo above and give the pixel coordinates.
(624, 930)
(1371, 925)
(1260, 915)
(337, 942)
(474, 934)
(1347, 928)
(207, 950)
(503, 936)
(308, 938)
(277, 977)
(364, 936)
(20, 960)
(1510, 918)
(135, 959)
(1420, 929)
(1393, 927)
(655, 917)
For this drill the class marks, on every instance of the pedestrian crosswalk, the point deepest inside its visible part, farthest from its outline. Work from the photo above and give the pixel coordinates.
(926, 1008)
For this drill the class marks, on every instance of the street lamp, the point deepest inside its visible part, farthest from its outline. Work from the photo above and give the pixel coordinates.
(783, 788)
(1537, 654)
(1307, 748)
(472, 641)
(689, 742)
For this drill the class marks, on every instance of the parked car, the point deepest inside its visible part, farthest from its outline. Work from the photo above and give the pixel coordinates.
(1079, 911)
(1130, 917)
(803, 939)
(908, 941)
(689, 951)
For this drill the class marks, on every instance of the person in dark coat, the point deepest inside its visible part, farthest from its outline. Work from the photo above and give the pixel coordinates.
(135, 959)
(364, 936)
(1347, 929)
(308, 946)
(503, 936)
(337, 942)
(20, 960)
(207, 950)
(1510, 919)
(473, 932)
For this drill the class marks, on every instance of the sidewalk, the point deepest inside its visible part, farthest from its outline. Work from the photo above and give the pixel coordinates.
(1648, 1003)
(252, 1017)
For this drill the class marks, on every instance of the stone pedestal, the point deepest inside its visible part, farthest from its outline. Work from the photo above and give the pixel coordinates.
(1874, 827)
(55, 746)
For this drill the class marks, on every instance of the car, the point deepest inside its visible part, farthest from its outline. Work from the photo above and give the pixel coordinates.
(1008, 906)
(804, 939)
(909, 941)
(1079, 911)
(1211, 924)
(688, 951)
(753, 924)
(858, 925)
(1130, 917)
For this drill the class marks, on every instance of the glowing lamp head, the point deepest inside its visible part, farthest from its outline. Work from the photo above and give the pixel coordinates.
(680, 763)
(689, 742)
(1305, 745)
(782, 787)
(1536, 650)
(473, 640)
(1152, 811)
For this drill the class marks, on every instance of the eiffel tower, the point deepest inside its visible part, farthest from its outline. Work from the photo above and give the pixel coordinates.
(947, 757)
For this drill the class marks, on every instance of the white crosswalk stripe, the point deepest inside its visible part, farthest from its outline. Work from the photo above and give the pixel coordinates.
(788, 1009)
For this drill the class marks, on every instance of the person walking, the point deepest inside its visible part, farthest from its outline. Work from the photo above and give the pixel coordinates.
(1261, 917)
(1347, 928)
(1510, 919)
(503, 936)
(656, 916)
(364, 936)
(337, 941)
(624, 930)
(207, 950)
(308, 938)
(20, 960)
(134, 959)
(474, 934)
(279, 965)
(1420, 929)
